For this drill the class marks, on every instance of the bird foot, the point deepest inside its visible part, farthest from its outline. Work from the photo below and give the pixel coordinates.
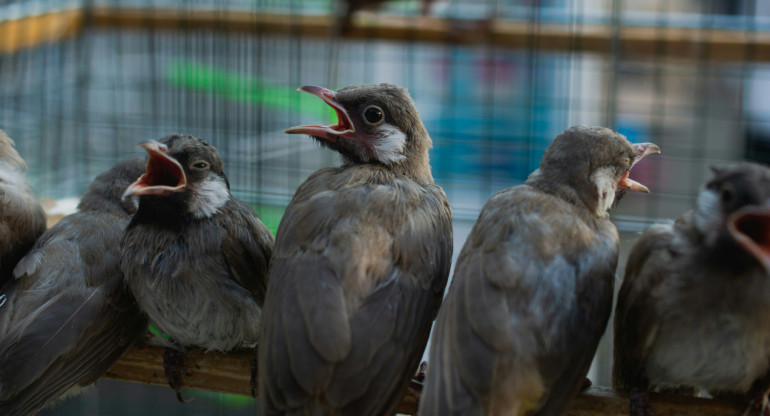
(640, 404)
(760, 404)
(173, 366)
(586, 384)
(254, 368)
(416, 383)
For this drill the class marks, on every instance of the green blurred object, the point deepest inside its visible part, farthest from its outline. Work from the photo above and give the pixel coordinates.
(245, 88)
(231, 401)
(270, 215)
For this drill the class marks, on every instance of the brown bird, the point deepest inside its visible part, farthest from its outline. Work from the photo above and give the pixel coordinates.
(194, 256)
(67, 317)
(694, 305)
(532, 288)
(361, 261)
(22, 219)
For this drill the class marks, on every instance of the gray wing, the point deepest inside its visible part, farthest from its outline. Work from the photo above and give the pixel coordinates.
(635, 325)
(354, 284)
(68, 317)
(22, 221)
(247, 246)
(528, 303)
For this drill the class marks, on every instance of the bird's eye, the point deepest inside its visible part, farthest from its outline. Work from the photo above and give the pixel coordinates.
(200, 165)
(624, 161)
(727, 194)
(373, 114)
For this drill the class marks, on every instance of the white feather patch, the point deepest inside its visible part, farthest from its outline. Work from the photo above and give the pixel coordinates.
(388, 143)
(707, 210)
(208, 197)
(606, 183)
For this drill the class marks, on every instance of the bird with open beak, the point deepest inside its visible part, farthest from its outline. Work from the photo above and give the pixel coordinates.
(532, 289)
(694, 307)
(194, 256)
(361, 261)
(22, 219)
(67, 317)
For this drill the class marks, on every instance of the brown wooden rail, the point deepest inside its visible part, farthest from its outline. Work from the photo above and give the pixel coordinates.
(682, 43)
(229, 373)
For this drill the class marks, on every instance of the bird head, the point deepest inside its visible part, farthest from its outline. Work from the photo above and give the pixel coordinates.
(376, 123)
(737, 200)
(595, 163)
(185, 170)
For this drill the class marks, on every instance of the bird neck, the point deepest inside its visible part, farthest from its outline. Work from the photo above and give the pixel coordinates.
(168, 211)
(581, 193)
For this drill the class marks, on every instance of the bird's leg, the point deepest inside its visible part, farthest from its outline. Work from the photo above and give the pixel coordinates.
(254, 368)
(173, 366)
(640, 404)
(760, 403)
(416, 383)
(586, 384)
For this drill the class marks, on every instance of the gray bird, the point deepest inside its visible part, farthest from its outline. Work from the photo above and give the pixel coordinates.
(532, 289)
(67, 317)
(194, 256)
(360, 265)
(694, 305)
(22, 219)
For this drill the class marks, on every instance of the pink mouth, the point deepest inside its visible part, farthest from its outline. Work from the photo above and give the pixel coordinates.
(344, 123)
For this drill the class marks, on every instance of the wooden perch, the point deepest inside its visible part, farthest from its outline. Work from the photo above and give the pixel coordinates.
(633, 41)
(32, 31)
(683, 43)
(229, 373)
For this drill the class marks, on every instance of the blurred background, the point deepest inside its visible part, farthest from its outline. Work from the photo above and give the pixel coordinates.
(83, 81)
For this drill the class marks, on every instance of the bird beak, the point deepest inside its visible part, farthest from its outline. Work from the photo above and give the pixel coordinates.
(164, 175)
(642, 150)
(750, 227)
(330, 133)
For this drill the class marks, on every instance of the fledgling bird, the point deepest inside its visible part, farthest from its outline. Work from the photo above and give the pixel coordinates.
(67, 317)
(532, 289)
(22, 219)
(360, 265)
(693, 308)
(194, 256)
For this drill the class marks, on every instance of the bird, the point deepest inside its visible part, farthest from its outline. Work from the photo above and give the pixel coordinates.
(532, 289)
(692, 309)
(22, 218)
(361, 261)
(194, 256)
(67, 317)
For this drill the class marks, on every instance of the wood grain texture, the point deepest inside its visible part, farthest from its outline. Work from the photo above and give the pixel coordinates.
(229, 373)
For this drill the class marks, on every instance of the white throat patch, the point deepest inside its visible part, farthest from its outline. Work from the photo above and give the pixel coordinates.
(388, 143)
(707, 210)
(606, 183)
(208, 197)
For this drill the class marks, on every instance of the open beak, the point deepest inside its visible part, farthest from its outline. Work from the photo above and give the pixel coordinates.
(164, 175)
(330, 133)
(642, 150)
(750, 227)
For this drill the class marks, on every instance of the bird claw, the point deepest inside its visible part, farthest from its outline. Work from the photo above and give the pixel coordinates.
(587, 383)
(761, 404)
(640, 404)
(416, 383)
(174, 368)
(253, 379)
